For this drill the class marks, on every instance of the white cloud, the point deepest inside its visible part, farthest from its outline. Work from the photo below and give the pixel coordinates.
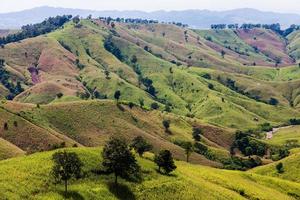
(269, 5)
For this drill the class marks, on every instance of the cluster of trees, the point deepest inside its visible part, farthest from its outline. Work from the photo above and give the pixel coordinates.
(275, 27)
(247, 145)
(112, 48)
(14, 89)
(33, 30)
(110, 20)
(250, 146)
(148, 83)
(294, 121)
(117, 158)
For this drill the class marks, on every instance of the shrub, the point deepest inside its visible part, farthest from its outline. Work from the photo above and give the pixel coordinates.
(279, 168)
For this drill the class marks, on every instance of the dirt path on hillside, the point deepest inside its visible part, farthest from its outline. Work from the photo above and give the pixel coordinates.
(269, 135)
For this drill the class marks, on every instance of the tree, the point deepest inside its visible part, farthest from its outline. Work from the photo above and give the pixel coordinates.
(76, 19)
(118, 159)
(165, 161)
(188, 147)
(140, 145)
(166, 124)
(67, 165)
(141, 101)
(117, 95)
(223, 53)
(59, 95)
(197, 134)
(248, 151)
(273, 101)
(279, 168)
(154, 106)
(106, 72)
(134, 59)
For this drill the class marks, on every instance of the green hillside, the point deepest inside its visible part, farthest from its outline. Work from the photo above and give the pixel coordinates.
(290, 165)
(31, 180)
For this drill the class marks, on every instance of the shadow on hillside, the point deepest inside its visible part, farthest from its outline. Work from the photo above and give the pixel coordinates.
(121, 191)
(71, 195)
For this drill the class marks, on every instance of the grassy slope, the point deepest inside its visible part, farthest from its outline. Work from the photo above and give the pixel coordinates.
(31, 180)
(294, 45)
(290, 165)
(37, 138)
(234, 46)
(90, 123)
(180, 88)
(8, 150)
(267, 42)
(289, 133)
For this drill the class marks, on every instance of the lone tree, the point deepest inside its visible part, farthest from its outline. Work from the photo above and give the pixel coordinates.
(279, 168)
(117, 95)
(140, 145)
(223, 53)
(165, 161)
(188, 147)
(67, 165)
(166, 124)
(197, 134)
(118, 159)
(76, 19)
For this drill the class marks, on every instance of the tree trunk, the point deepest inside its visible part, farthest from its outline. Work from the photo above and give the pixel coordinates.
(116, 179)
(187, 158)
(66, 187)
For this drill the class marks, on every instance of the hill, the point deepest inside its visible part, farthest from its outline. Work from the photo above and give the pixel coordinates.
(32, 180)
(290, 165)
(66, 124)
(76, 62)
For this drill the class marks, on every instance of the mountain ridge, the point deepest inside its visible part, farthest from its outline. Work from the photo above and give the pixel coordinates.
(196, 18)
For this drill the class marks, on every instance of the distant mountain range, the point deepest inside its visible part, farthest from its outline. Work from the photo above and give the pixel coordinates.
(194, 18)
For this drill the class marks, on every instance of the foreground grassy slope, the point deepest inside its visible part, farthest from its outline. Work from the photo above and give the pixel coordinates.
(32, 180)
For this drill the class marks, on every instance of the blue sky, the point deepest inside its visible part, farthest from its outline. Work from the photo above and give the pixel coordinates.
(291, 6)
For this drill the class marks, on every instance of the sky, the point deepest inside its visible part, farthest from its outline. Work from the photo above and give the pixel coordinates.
(284, 6)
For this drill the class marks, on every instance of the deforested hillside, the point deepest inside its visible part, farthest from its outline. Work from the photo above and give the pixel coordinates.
(155, 63)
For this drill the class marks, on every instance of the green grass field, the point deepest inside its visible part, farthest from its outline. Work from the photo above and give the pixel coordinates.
(31, 180)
